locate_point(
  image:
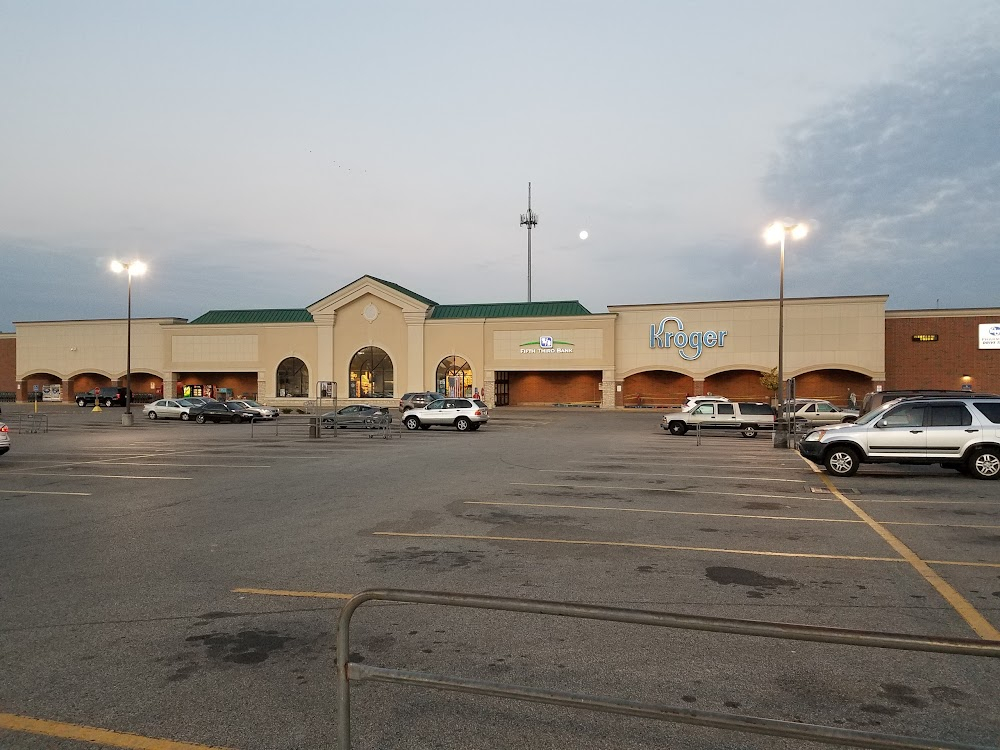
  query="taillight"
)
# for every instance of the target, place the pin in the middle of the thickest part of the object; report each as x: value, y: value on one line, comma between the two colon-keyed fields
x: 4, y: 428
x: 479, y: 412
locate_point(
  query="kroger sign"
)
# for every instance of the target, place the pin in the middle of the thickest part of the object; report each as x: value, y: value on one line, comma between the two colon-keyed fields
x: 692, y: 341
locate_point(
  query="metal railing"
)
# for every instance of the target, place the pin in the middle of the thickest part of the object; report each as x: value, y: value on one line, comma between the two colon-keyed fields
x: 348, y: 670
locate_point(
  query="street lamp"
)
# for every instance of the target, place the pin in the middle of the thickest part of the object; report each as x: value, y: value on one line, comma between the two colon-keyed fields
x: 132, y: 268
x: 773, y: 235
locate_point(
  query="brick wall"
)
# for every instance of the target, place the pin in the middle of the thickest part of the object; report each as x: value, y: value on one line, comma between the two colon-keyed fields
x: 8, y: 368
x: 555, y: 387
x: 742, y: 385
x: 833, y: 385
x: 941, y: 363
x: 88, y: 381
x: 656, y: 387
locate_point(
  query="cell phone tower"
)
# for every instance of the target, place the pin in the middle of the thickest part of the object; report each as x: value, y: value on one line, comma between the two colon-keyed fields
x: 529, y: 220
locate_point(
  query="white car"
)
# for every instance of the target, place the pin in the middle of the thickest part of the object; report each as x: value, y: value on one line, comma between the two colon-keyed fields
x: 463, y: 414
x: 167, y: 408
x: 4, y: 438
x: 257, y: 409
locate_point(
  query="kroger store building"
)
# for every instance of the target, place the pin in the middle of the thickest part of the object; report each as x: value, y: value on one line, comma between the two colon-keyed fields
x: 374, y: 340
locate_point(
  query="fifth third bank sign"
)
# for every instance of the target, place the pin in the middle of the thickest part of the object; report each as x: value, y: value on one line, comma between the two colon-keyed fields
x: 989, y: 336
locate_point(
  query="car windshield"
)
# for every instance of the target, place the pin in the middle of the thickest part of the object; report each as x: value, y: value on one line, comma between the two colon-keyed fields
x: 876, y: 414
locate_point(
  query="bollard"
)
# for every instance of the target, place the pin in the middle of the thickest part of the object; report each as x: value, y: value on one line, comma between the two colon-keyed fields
x: 314, y: 427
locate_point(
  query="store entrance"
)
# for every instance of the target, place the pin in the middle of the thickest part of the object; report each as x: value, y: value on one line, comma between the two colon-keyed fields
x: 501, y: 386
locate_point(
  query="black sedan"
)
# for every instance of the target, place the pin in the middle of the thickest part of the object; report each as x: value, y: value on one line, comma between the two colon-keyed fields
x: 216, y: 411
x: 356, y: 415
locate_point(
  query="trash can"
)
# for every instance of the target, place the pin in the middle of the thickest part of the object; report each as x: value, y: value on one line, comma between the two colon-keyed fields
x: 314, y: 427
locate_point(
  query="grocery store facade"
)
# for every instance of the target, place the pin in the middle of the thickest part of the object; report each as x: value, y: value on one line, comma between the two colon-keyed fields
x: 374, y: 340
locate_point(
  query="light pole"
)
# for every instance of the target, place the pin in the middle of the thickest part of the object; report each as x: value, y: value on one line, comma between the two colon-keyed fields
x: 775, y: 234
x: 132, y: 268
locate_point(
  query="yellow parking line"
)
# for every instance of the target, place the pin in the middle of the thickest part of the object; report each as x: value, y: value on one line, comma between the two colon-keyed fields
x: 280, y: 592
x: 44, y: 492
x: 638, y: 545
x: 979, y: 624
x: 96, y: 476
x: 653, y: 474
x: 83, y: 733
x: 730, y: 515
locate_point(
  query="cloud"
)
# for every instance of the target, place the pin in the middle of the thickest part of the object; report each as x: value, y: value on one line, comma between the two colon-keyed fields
x: 902, y: 180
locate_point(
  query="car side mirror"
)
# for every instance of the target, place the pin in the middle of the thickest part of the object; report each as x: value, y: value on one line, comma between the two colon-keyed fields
x: 882, y: 423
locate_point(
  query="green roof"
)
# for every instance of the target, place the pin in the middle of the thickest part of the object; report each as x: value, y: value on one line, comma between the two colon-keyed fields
x: 510, y: 310
x: 404, y: 290
x: 230, y: 317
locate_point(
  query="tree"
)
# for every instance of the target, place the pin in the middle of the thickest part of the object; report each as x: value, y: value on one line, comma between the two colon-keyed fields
x: 769, y: 380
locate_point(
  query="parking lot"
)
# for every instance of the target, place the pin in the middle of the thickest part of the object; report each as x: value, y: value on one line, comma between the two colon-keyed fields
x: 178, y: 583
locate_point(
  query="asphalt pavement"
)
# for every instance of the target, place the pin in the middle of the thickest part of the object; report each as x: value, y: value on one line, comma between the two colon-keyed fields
x: 179, y: 583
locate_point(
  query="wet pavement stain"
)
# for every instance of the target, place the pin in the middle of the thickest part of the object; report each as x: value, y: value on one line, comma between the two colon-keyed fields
x: 764, y: 506
x: 902, y: 695
x: 243, y: 647
x: 760, y: 584
x: 429, y: 557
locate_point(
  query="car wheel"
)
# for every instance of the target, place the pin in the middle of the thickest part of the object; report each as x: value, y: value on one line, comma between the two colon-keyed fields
x: 462, y: 424
x: 749, y: 431
x: 842, y: 462
x: 152, y: 415
x: 81, y: 402
x: 185, y: 416
x: 677, y: 428
x: 412, y: 423
x: 236, y: 419
x: 985, y: 463
x: 200, y: 419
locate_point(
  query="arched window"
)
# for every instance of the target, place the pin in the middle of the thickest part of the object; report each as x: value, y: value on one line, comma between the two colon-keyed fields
x: 371, y: 374
x: 454, y: 377
x: 293, y: 378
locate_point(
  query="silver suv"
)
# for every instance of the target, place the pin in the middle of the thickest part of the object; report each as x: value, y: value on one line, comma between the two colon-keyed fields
x: 463, y: 413
x: 961, y: 434
x: 417, y: 400
x: 749, y: 417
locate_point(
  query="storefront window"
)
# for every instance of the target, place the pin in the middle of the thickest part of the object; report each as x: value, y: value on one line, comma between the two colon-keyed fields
x: 454, y: 378
x: 371, y: 374
x: 293, y: 378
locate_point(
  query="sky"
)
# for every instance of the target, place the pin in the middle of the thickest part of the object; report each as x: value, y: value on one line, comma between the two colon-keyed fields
x: 264, y: 155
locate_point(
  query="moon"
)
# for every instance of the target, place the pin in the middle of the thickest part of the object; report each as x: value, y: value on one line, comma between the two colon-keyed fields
x: 584, y: 234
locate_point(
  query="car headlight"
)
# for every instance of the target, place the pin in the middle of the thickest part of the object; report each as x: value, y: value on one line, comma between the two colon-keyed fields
x: 814, y: 436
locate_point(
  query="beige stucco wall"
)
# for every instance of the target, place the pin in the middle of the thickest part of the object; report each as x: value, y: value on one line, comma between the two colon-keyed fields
x: 835, y: 332
x: 447, y: 338
x: 69, y: 347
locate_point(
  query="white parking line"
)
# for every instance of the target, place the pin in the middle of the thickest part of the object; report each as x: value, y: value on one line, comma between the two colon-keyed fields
x: 666, y: 462
x: 685, y: 476
x: 665, y: 489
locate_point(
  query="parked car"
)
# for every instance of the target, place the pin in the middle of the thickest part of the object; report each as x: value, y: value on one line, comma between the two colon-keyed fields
x: 168, y: 408
x: 873, y: 401
x: 4, y: 438
x: 215, y: 411
x: 199, y: 400
x: 815, y: 411
x: 244, y: 414
x: 355, y: 415
x: 102, y: 396
x: 962, y: 434
x: 462, y: 413
x: 749, y: 417
x: 417, y: 400
x: 259, y: 410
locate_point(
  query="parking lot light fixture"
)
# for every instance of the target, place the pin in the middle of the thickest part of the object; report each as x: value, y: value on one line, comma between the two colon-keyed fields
x: 132, y: 268
x: 773, y: 235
